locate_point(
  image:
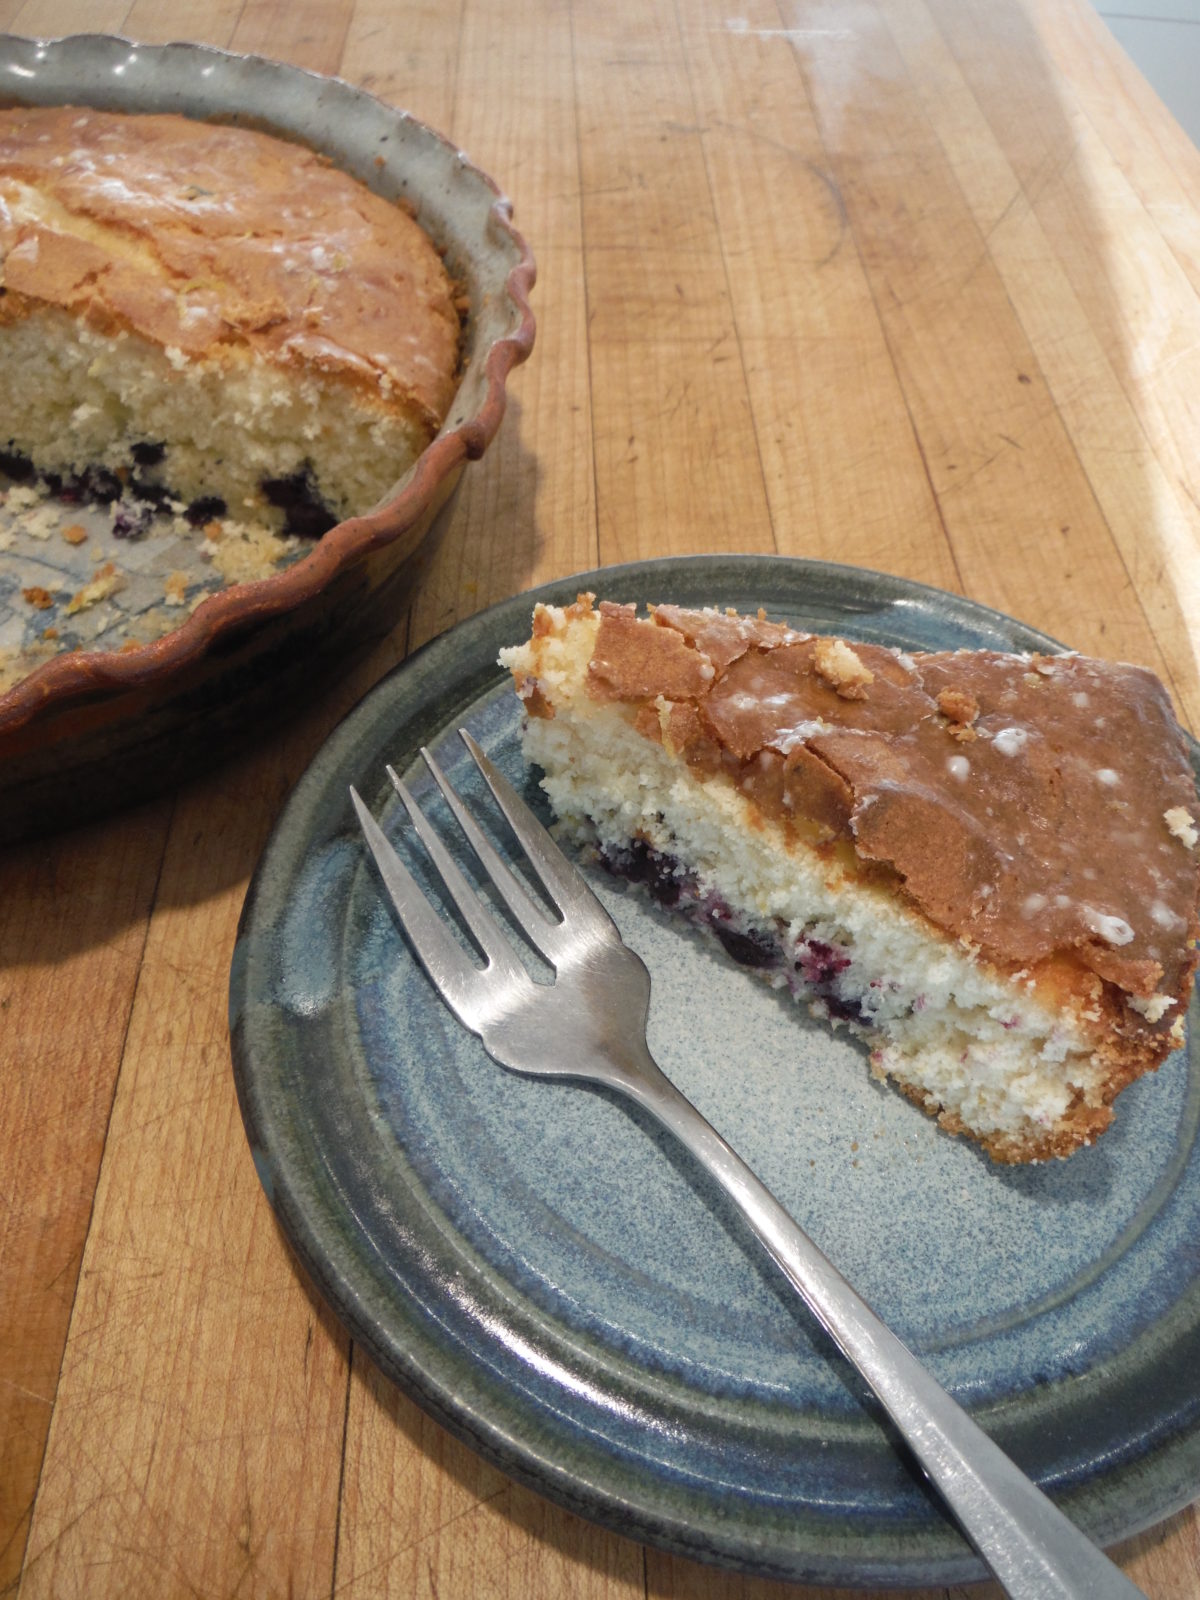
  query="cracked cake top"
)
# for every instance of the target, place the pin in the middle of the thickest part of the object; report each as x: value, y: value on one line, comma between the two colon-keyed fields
x: 1031, y: 806
x: 201, y: 236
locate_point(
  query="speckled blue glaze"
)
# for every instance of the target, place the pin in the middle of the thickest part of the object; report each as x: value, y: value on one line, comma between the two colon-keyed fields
x: 546, y: 1273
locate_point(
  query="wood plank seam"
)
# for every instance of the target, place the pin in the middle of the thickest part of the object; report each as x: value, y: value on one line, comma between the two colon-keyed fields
x: 952, y: 553
x: 587, y: 303
x: 698, y: 118
x: 341, y: 1483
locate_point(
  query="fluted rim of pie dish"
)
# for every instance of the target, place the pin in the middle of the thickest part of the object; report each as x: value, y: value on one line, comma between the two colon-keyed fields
x: 78, y: 673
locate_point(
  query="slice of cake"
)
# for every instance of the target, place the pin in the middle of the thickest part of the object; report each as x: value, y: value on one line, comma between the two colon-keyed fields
x: 985, y: 864
x: 207, y: 315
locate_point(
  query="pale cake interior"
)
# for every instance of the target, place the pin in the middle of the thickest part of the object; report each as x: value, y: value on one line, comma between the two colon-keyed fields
x: 231, y: 422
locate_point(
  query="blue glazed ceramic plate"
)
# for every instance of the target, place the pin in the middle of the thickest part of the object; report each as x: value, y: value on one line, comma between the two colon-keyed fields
x: 551, y: 1279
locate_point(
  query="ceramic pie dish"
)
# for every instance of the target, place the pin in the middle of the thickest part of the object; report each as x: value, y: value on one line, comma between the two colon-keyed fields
x: 91, y: 729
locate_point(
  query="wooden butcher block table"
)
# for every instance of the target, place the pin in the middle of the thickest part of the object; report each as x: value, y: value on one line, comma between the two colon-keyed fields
x: 911, y: 285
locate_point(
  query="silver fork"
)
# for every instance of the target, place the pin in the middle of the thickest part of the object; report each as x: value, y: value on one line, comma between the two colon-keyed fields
x: 590, y: 1023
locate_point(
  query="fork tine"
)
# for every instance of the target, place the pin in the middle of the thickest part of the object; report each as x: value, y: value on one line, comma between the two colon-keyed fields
x: 563, y: 881
x: 540, y: 929
x: 484, y: 928
x: 461, y: 984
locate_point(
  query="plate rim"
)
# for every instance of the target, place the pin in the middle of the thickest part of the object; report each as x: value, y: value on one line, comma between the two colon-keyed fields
x: 943, y: 1558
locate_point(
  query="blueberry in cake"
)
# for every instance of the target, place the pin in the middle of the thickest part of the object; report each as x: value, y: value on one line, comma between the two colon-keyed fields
x: 207, y: 316
x: 984, y: 864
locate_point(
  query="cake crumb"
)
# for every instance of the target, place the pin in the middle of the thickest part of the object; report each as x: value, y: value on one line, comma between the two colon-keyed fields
x: 75, y: 533
x: 842, y: 669
x: 1182, y: 825
x: 40, y: 599
x: 175, y: 588
x: 1153, y: 1009
x: 244, y: 552
x: 959, y: 705
x: 17, y: 664
x: 107, y: 581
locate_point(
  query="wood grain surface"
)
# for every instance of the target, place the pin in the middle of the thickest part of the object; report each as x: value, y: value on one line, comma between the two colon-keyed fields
x: 911, y: 284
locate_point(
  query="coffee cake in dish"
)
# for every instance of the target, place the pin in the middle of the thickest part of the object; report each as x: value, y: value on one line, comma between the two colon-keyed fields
x: 95, y: 714
x: 984, y: 864
x: 211, y: 317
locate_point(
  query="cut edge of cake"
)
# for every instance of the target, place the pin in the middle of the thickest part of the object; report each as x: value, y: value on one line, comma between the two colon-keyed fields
x: 1025, y: 1060
x: 227, y: 434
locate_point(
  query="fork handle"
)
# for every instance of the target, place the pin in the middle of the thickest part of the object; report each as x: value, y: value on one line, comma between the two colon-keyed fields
x: 1032, y: 1548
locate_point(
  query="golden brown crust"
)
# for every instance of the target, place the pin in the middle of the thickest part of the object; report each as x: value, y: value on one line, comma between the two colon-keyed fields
x: 634, y: 664
x: 209, y: 240
x: 1081, y: 1125
x: 1042, y: 841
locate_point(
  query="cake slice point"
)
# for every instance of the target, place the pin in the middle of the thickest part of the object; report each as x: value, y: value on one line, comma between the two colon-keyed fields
x: 983, y: 864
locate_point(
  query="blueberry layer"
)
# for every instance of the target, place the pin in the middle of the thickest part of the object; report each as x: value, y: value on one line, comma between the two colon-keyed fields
x: 810, y: 967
